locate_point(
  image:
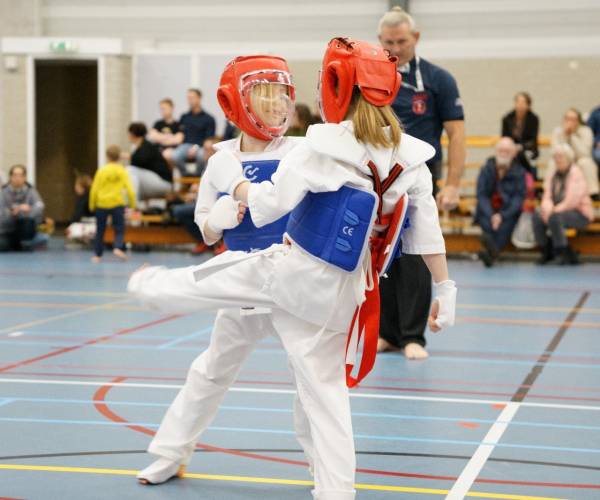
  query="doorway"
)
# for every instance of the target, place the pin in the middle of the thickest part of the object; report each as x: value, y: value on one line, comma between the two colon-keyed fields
x: 66, y: 135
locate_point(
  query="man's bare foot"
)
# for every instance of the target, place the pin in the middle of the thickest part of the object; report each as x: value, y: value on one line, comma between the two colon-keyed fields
x: 415, y: 351
x: 384, y: 346
x: 96, y: 259
x: 120, y: 254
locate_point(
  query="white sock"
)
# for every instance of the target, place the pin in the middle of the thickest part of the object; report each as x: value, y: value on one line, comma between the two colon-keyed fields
x: 160, y: 471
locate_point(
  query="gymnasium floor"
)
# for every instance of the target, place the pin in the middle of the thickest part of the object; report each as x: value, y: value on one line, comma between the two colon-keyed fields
x: 510, y: 397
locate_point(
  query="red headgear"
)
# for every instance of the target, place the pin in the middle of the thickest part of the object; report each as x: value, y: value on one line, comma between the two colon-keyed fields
x: 347, y: 63
x: 235, y: 89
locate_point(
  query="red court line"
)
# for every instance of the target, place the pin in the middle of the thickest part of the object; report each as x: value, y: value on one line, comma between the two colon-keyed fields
x: 290, y: 384
x: 97, y: 340
x: 371, y: 377
x: 100, y: 404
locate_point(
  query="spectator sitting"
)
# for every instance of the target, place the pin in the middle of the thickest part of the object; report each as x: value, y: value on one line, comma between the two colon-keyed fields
x: 565, y: 204
x: 303, y: 119
x: 580, y: 138
x: 195, y: 127
x: 522, y: 125
x: 164, y: 131
x: 106, y: 198
x: 83, y: 184
x: 594, y: 124
x: 149, y: 171
x: 185, y: 212
x: 21, y: 211
x: 500, y: 196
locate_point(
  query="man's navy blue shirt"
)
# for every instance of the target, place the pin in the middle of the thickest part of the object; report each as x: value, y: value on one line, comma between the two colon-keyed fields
x: 423, y: 112
x: 196, y: 127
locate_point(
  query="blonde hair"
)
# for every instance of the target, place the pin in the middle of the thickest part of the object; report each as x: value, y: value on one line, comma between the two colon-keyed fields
x: 395, y: 17
x: 370, y: 121
x: 113, y: 152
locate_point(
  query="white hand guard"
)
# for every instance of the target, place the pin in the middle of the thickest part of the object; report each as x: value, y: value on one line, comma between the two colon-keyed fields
x: 228, y: 172
x: 223, y: 215
x: 445, y: 293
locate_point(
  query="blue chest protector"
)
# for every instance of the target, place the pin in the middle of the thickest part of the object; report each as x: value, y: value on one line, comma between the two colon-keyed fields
x: 247, y: 237
x: 335, y: 226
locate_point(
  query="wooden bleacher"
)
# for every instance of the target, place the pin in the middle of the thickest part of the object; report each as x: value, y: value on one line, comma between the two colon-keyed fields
x: 459, y: 231
x: 463, y: 236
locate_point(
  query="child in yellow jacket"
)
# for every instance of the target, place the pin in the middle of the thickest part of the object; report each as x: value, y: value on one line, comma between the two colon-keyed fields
x: 107, y: 198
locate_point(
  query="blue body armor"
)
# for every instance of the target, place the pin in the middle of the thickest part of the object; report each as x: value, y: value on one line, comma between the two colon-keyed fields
x: 335, y: 226
x: 247, y: 237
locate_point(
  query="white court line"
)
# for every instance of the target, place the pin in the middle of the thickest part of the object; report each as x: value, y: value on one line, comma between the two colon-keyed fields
x: 469, y: 474
x: 290, y: 391
x: 60, y: 293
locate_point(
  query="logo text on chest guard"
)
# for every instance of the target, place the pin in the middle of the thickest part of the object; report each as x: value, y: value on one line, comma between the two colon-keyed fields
x: 347, y: 230
x: 250, y: 172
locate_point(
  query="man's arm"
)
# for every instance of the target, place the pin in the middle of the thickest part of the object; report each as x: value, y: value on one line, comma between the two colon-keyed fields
x: 448, y: 196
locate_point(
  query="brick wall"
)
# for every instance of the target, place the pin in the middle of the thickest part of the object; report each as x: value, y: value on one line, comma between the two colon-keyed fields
x: 118, y: 99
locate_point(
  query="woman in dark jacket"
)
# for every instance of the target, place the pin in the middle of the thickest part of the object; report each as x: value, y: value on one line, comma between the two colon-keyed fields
x: 522, y: 125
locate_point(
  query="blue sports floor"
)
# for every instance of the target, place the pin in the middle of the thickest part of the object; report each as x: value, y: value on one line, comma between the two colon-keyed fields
x: 507, y: 406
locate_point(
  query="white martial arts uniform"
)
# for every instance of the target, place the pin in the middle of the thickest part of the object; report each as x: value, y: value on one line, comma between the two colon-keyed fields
x: 313, y: 302
x: 234, y: 336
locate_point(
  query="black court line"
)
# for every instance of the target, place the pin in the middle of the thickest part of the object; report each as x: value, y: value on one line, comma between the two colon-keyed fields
x: 277, y: 450
x: 538, y: 368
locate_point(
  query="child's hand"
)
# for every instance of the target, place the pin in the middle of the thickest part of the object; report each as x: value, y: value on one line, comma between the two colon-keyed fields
x: 225, y: 214
x: 443, y: 308
x: 242, y: 207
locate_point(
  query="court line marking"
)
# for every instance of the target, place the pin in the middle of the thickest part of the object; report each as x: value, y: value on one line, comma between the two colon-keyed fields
x: 185, y: 338
x: 268, y: 480
x: 61, y: 293
x: 71, y: 314
x: 292, y: 392
x: 475, y: 465
x: 490, y: 440
x: 471, y: 471
x: 393, y: 416
x: 500, y: 307
x: 65, y: 305
x: 491, y: 307
x: 102, y: 338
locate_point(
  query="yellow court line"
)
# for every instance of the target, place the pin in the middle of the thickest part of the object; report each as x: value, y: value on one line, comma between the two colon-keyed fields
x: 62, y: 293
x: 20, y: 326
x: 66, y: 305
x: 268, y: 480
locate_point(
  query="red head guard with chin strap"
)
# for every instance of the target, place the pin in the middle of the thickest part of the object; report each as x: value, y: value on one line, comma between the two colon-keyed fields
x: 235, y: 94
x: 347, y: 63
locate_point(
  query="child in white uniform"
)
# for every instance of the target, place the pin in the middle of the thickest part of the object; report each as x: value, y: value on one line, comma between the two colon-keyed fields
x: 319, y: 295
x: 236, y: 332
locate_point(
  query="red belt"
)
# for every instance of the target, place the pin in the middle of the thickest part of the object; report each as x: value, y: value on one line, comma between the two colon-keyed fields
x: 367, y: 315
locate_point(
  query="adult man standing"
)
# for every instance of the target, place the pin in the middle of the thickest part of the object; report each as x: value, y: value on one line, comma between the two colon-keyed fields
x: 427, y: 104
x: 195, y: 127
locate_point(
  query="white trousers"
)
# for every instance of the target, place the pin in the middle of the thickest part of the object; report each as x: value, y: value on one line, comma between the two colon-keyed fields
x: 233, y: 339
x: 315, y: 353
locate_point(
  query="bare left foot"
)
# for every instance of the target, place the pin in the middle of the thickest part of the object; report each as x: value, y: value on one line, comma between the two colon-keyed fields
x: 120, y: 254
x: 96, y: 259
x: 384, y: 346
x: 415, y: 351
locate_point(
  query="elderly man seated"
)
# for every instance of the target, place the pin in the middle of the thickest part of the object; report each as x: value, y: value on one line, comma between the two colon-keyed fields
x: 21, y: 210
x: 500, y: 194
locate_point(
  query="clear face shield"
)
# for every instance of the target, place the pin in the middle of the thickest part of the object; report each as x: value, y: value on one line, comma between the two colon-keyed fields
x: 268, y: 99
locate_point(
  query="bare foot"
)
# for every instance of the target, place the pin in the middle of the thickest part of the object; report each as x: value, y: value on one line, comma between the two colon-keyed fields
x: 384, y: 346
x: 96, y: 259
x: 415, y: 351
x: 120, y: 254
